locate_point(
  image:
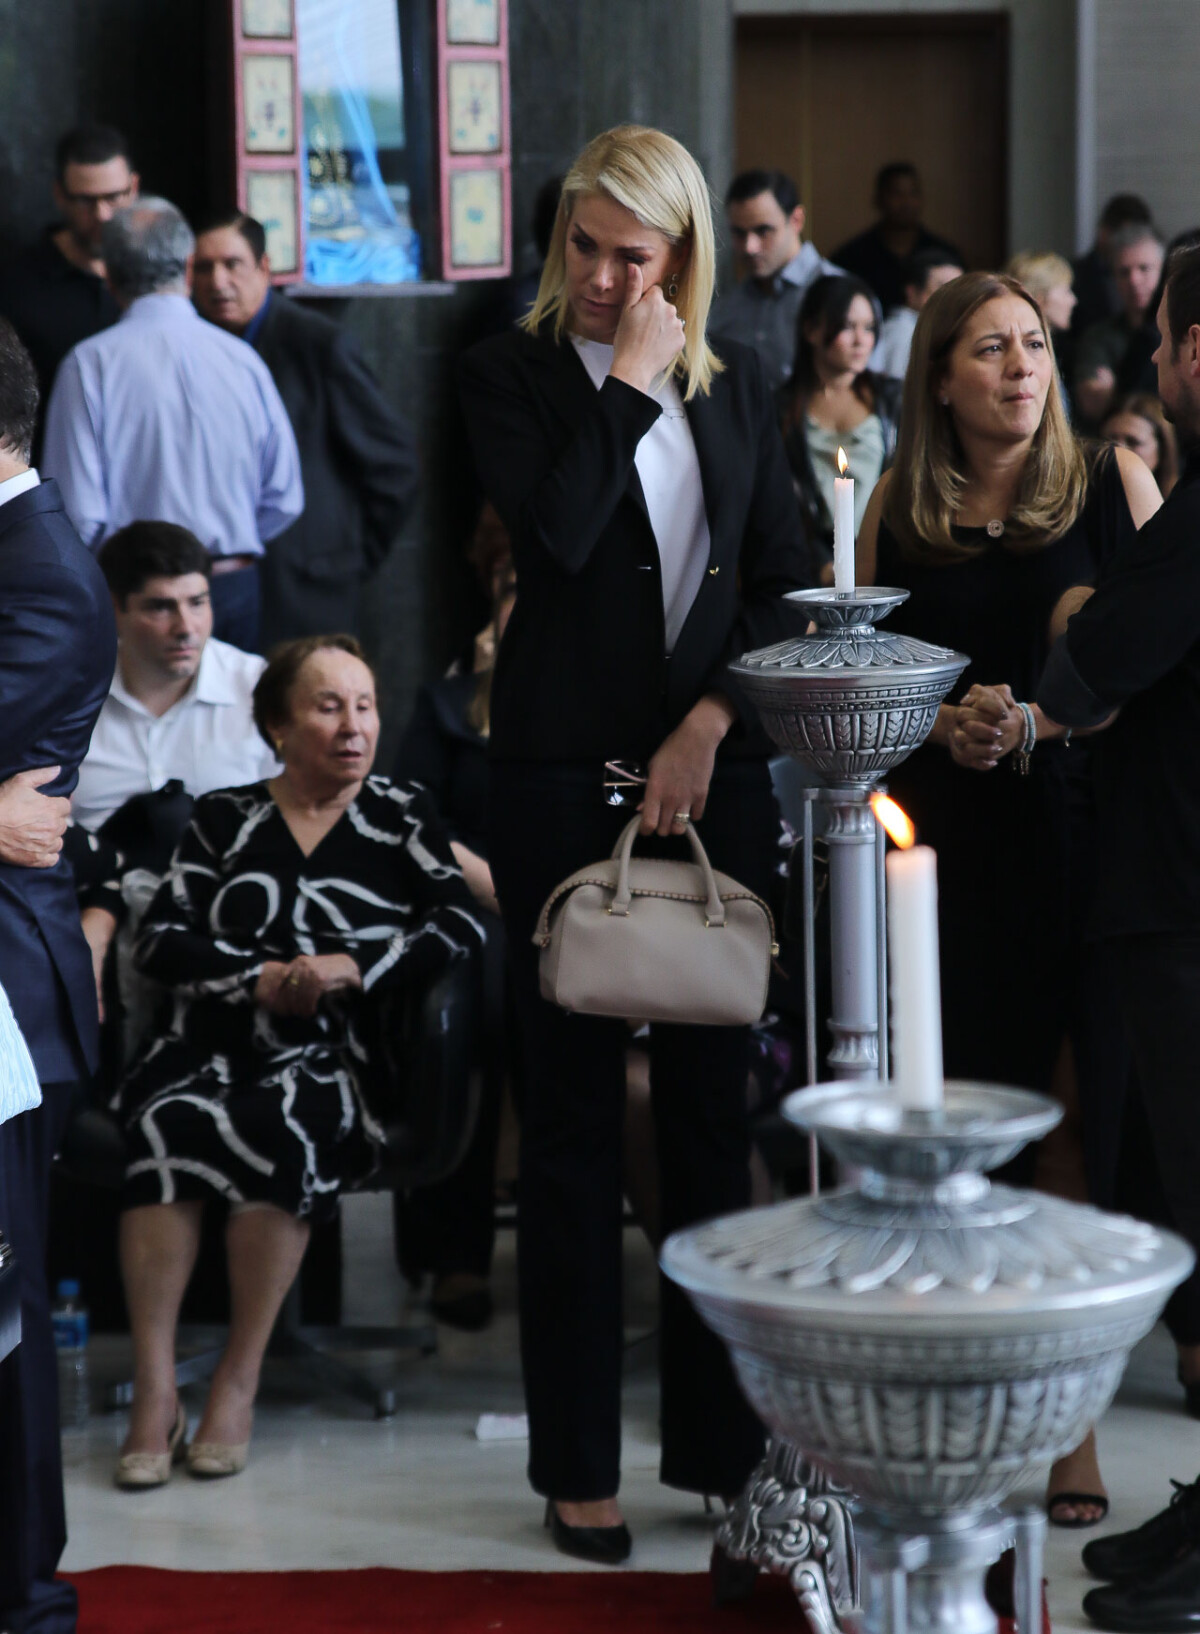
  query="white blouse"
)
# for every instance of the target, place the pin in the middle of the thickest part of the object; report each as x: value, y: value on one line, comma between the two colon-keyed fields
x: 669, y: 471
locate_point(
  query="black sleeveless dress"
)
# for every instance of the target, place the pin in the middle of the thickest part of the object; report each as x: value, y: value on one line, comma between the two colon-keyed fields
x: 1008, y: 893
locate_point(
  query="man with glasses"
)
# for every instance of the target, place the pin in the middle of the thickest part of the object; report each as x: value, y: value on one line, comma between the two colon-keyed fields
x: 54, y: 293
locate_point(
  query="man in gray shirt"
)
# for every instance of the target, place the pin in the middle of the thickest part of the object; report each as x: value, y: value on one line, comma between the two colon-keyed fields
x: 766, y: 220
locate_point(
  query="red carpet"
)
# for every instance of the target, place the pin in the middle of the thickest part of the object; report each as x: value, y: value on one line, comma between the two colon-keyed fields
x: 143, y: 1600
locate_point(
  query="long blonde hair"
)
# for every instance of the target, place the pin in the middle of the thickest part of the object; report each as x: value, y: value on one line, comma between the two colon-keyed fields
x: 655, y: 178
x: 930, y: 472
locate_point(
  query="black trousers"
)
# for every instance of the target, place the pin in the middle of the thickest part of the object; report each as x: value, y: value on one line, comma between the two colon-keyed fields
x: 547, y: 820
x: 33, y: 1529
x: 236, y: 605
x: 1159, y: 978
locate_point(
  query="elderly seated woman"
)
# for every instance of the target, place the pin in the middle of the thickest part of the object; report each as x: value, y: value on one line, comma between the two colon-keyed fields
x: 286, y: 904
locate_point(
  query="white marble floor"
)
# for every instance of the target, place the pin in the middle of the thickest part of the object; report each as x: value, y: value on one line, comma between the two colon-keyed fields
x: 328, y: 1486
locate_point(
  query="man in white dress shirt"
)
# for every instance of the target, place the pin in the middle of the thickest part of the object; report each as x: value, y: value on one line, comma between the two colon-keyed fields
x: 180, y: 702
x: 924, y: 272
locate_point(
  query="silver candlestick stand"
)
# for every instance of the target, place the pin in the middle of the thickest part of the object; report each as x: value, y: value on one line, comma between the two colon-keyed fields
x: 928, y: 1338
x: 918, y: 1339
x: 848, y: 702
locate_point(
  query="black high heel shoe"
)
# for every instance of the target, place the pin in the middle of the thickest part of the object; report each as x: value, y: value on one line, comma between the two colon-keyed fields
x: 605, y: 1545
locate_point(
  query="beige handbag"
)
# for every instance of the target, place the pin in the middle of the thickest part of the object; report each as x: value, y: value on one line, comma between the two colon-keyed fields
x: 655, y: 940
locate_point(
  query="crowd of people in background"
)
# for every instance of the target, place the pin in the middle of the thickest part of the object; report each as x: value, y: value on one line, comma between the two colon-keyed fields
x: 210, y: 473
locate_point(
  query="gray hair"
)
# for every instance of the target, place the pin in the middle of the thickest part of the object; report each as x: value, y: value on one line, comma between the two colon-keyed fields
x: 1134, y: 232
x: 146, y: 248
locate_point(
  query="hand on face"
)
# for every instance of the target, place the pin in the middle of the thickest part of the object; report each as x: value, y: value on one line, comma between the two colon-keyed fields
x: 650, y: 334
x: 616, y: 270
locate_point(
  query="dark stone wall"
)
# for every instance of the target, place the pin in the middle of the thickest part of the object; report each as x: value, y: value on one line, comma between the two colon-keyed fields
x: 157, y: 69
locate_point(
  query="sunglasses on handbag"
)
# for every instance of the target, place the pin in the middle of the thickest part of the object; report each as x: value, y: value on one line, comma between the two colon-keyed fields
x: 624, y: 781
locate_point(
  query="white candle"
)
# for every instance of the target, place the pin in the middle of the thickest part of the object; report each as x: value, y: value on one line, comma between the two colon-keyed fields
x: 843, y: 528
x: 916, y: 987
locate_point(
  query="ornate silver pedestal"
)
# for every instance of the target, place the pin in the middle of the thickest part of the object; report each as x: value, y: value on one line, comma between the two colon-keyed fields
x: 848, y: 702
x: 929, y: 1339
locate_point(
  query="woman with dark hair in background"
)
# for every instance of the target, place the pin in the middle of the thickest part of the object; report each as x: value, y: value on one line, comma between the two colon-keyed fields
x: 640, y: 473
x: 989, y: 518
x: 1139, y: 424
x: 834, y: 401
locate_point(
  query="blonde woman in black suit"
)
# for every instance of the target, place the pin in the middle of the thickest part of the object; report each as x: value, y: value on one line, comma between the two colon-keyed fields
x: 642, y: 478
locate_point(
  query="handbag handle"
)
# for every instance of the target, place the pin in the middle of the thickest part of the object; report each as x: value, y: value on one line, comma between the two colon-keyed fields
x: 714, y: 908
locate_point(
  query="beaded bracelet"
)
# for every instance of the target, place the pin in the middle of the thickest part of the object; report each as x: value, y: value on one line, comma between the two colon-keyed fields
x: 1023, y: 754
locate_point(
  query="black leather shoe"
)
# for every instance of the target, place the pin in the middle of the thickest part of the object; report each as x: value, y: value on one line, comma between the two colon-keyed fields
x: 1168, y: 1603
x: 605, y: 1545
x: 1154, y: 1545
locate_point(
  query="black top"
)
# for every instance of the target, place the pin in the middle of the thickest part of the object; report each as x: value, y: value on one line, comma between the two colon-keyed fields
x: 1003, y: 841
x: 52, y: 305
x: 868, y: 258
x: 582, y: 672
x: 442, y: 750
x: 996, y: 604
x: 1136, y: 645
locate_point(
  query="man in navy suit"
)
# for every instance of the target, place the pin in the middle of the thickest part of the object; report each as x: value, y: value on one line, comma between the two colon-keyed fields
x: 57, y: 652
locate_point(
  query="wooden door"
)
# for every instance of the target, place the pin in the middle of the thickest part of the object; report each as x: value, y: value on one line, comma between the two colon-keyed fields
x: 830, y: 99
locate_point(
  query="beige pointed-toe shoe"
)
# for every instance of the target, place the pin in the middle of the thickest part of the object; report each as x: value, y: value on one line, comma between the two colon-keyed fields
x: 212, y: 1459
x: 137, y: 1471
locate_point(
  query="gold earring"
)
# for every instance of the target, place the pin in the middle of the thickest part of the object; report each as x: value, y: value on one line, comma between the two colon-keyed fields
x: 673, y: 288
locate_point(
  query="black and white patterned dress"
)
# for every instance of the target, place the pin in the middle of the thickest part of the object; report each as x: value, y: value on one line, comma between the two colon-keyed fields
x: 228, y: 1099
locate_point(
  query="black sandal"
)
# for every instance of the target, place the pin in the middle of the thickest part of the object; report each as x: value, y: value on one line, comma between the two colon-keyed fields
x: 1075, y: 1500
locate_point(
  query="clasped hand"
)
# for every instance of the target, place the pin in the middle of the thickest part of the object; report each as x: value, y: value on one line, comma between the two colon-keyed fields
x: 987, y: 725
x: 297, y: 988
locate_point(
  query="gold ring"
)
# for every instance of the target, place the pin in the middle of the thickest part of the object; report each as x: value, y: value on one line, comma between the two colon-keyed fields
x: 294, y: 979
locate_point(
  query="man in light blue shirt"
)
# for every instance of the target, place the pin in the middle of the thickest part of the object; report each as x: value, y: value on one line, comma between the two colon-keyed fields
x: 766, y: 220
x: 164, y: 417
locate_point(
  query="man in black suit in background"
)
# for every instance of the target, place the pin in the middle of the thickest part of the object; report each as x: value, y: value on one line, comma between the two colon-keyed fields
x: 356, y: 454
x: 57, y: 651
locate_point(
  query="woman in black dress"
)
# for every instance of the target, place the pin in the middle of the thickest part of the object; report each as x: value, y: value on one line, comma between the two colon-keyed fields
x: 642, y: 478
x: 288, y: 903
x: 991, y: 519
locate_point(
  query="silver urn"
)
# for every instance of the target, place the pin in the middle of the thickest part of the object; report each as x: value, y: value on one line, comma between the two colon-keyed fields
x: 925, y: 1337
x: 848, y: 701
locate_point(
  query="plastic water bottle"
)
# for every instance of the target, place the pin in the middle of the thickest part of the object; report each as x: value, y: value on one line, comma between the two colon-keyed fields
x: 71, y: 1341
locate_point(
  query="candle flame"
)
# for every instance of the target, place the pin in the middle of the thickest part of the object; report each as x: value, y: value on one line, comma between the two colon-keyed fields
x: 843, y: 462
x: 895, y: 820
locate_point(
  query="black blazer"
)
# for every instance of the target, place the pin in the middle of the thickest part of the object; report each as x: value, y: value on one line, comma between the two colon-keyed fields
x: 58, y: 649
x: 359, y: 466
x: 581, y: 672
